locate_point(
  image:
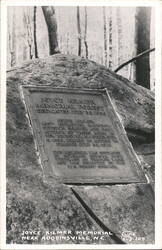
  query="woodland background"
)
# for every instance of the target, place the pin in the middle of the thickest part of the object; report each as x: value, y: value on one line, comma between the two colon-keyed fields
x: 107, y: 35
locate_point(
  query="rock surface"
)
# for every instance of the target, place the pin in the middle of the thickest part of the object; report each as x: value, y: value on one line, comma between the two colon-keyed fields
x: 131, y: 211
x: 134, y: 103
x: 32, y: 203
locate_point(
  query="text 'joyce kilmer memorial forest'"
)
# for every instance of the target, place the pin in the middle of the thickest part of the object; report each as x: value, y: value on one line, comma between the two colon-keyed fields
x: 80, y: 137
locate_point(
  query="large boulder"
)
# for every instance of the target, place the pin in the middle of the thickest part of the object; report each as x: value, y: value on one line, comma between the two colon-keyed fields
x: 134, y: 103
x: 32, y: 202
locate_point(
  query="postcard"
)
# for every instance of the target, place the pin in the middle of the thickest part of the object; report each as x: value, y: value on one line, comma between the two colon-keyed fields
x: 80, y: 124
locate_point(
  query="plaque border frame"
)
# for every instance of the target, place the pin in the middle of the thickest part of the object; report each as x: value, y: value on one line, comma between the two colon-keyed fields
x: 139, y: 175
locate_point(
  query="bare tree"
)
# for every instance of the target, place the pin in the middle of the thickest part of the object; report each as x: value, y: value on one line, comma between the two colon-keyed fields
x: 50, y: 18
x: 67, y: 42
x: 110, y: 38
x: 25, y: 52
x: 79, y: 32
x: 28, y: 24
x: 146, y: 52
x: 85, y: 31
x: 35, y: 29
x: 12, y: 41
x: 119, y: 34
x: 143, y: 19
x: 105, y: 35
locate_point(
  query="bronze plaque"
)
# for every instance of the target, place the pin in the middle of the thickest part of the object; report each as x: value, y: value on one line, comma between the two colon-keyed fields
x: 80, y: 137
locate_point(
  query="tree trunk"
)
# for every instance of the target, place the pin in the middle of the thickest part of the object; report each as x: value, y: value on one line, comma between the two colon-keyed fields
x: 35, y: 28
x: 25, y: 53
x: 28, y: 25
x: 30, y: 51
x: 67, y: 43
x: 85, y: 32
x: 105, y: 35
x: 110, y: 38
x: 50, y: 18
x: 79, y: 32
x: 12, y: 42
x: 143, y: 19
x: 119, y: 35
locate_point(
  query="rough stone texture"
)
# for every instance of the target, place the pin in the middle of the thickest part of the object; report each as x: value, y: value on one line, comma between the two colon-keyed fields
x: 123, y: 208
x: 32, y: 203
x: 134, y: 103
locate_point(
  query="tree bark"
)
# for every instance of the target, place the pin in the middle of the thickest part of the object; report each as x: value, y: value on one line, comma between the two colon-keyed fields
x: 105, y: 35
x: 27, y: 24
x: 12, y: 42
x: 25, y: 54
x: 67, y: 43
x: 143, y: 19
x: 79, y: 32
x: 85, y: 32
x: 119, y: 35
x: 50, y: 18
x: 110, y: 38
x: 35, y: 29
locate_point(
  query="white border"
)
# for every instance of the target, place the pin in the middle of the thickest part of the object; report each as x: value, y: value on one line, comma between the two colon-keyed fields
x: 3, y: 51
x: 158, y: 125
x: 158, y: 137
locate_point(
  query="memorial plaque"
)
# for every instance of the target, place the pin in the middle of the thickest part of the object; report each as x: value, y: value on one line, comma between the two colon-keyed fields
x: 80, y: 137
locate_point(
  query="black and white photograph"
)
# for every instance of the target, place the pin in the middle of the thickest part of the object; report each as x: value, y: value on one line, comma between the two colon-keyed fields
x: 80, y: 155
